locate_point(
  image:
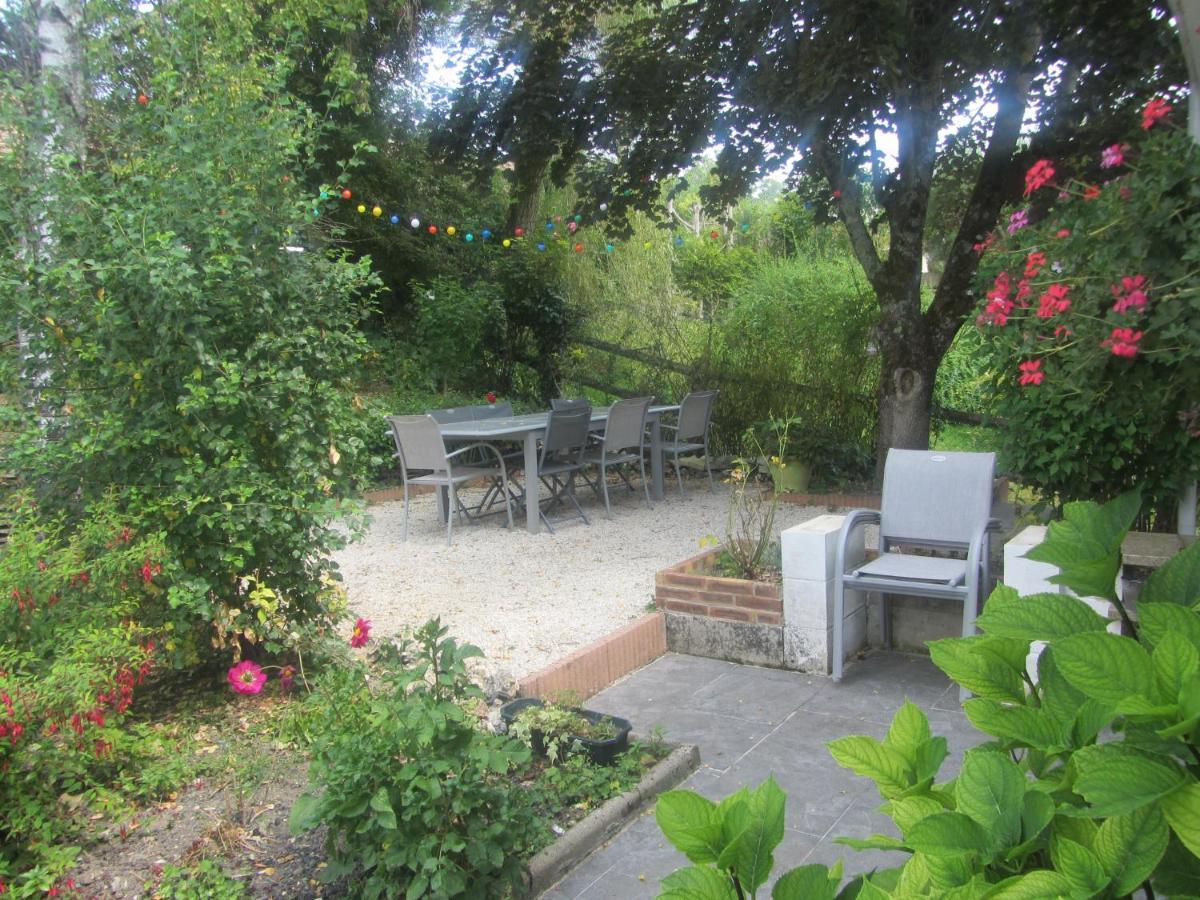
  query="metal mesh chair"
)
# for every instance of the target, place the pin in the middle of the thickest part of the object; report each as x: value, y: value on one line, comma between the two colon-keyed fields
x: 419, y: 446
x: 561, y: 459
x: 623, y: 443
x: 931, y: 501
x: 690, y: 432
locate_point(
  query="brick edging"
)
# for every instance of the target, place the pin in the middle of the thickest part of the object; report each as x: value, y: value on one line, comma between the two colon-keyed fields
x: 592, y: 668
x: 853, y: 501
x: 692, y: 587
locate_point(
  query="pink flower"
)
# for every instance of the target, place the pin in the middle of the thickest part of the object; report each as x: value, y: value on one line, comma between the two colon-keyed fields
x: 1113, y: 156
x: 1154, y: 112
x: 1130, y: 293
x: 287, y: 679
x: 1031, y: 372
x: 1055, y: 300
x: 1061, y: 331
x: 1039, y: 175
x: 362, y: 633
x: 1063, y: 233
x: 247, y: 677
x: 982, y: 246
x: 1123, y: 342
x: 1023, y: 292
x: 1091, y: 192
x: 1017, y: 221
x: 1034, y: 263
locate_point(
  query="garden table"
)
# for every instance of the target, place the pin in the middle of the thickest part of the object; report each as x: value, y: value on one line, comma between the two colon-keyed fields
x: 531, y: 426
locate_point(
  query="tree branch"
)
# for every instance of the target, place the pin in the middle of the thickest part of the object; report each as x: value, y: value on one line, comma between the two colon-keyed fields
x: 849, y: 204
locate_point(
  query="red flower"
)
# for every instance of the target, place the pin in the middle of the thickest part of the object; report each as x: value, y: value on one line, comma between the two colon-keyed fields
x: 984, y: 244
x: 362, y: 633
x: 1123, y: 342
x: 1023, y: 292
x: 247, y: 677
x: 1091, y: 192
x: 1034, y: 264
x: 1062, y: 233
x: 1124, y: 192
x: 491, y: 396
x: 1055, y: 300
x: 1031, y: 372
x: 143, y: 99
x: 837, y: 195
x: 1154, y: 112
x: 1130, y: 293
x: 1039, y: 175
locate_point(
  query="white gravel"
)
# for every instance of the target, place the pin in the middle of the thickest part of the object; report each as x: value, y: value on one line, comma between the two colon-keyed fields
x: 524, y: 599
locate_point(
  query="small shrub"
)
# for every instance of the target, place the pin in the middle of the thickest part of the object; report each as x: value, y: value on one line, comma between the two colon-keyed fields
x: 560, y: 727
x: 413, y: 790
x: 203, y: 881
x: 750, y: 520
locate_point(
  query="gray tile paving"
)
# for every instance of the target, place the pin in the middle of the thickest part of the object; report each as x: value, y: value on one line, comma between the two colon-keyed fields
x: 751, y: 722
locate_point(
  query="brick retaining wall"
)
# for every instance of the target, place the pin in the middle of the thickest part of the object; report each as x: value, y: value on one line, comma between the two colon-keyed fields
x: 690, y: 587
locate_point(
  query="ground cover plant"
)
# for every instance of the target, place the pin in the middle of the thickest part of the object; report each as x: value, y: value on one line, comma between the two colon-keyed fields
x: 1088, y: 784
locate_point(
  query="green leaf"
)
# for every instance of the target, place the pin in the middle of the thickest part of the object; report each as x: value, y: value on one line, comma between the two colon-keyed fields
x: 1026, y: 725
x: 1037, y: 617
x: 1037, y: 810
x: 874, y: 842
x: 929, y: 758
x: 914, y: 878
x: 1130, y: 846
x: 1177, y: 581
x: 868, y: 757
x: 1078, y: 865
x: 1040, y: 884
x: 1158, y: 620
x: 692, y: 824
x: 381, y: 804
x: 1116, y: 780
x: 991, y: 789
x: 750, y: 853
x: 871, y: 891
x: 908, y: 811
x: 908, y: 731
x: 1086, y: 545
x: 1178, y: 873
x: 1182, y: 809
x: 981, y: 664
x: 1175, y: 660
x: 947, y: 834
x: 1105, y: 667
x: 305, y: 814
x: 805, y: 883
x: 697, y: 883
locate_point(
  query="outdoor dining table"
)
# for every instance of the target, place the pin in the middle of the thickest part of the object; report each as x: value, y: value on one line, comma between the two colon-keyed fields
x: 529, y: 427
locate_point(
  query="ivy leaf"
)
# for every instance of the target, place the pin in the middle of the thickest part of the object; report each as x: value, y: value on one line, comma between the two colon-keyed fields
x: 1086, y: 545
x: 806, y: 883
x: 1116, y: 780
x: 1106, y: 667
x: 948, y: 834
x: 692, y: 825
x: 1182, y: 809
x: 1079, y: 865
x: 869, y: 758
x: 1037, y: 617
x: 1130, y: 846
x: 990, y: 789
x: 1177, y: 581
x: 697, y: 883
x: 982, y: 664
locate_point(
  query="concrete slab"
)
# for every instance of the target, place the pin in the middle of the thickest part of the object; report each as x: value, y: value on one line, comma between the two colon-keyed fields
x: 752, y: 722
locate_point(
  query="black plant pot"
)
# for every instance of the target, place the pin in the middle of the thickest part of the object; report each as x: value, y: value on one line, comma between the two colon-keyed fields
x: 601, y: 752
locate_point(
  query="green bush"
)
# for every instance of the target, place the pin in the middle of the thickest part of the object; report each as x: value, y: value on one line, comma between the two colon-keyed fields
x: 1092, y: 329
x: 451, y: 329
x: 412, y: 789
x: 184, y: 354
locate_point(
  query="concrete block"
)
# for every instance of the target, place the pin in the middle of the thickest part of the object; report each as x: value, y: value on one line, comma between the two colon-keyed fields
x: 915, y: 621
x: 809, y: 548
x: 806, y: 649
x: 741, y: 642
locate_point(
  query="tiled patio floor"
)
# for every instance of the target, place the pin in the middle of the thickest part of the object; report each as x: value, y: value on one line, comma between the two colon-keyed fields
x: 751, y: 722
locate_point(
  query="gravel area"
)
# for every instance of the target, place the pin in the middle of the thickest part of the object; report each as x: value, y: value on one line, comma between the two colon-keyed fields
x: 524, y: 599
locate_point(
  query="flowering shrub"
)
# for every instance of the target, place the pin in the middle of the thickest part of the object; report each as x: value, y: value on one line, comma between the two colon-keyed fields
x: 1091, y: 321
x: 75, y: 651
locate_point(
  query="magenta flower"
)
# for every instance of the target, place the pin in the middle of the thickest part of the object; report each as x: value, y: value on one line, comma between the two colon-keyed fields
x: 1055, y: 300
x: 362, y: 633
x: 247, y: 677
x: 1017, y: 221
x: 1154, y: 112
x: 1130, y: 293
x: 1031, y: 372
x: 287, y: 679
x: 1123, y: 342
x: 1113, y: 156
x: 1039, y: 175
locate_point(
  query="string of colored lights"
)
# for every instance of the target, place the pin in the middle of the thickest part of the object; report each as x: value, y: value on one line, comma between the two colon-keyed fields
x: 573, y: 224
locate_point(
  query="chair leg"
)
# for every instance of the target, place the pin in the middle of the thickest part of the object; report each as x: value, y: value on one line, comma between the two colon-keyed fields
x: 451, y: 510
x: 839, y: 607
x: 678, y: 474
x: 404, y: 529
x: 507, y: 499
x: 604, y: 487
x: 708, y: 465
x: 645, y: 483
x: 885, y: 619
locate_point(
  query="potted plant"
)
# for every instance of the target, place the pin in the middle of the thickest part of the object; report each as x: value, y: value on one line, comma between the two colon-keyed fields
x: 790, y: 470
x: 554, y: 730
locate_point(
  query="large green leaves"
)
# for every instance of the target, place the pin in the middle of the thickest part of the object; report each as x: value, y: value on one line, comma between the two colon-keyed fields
x: 883, y: 764
x: 1115, y: 779
x: 1129, y: 846
x: 948, y: 834
x: 753, y: 829
x: 814, y: 882
x: 1106, y: 667
x: 1037, y: 617
x: 1177, y: 581
x: 1182, y: 809
x: 990, y: 789
x: 1078, y: 865
x: 1085, y: 545
x: 691, y: 823
x: 697, y: 883
x: 986, y: 666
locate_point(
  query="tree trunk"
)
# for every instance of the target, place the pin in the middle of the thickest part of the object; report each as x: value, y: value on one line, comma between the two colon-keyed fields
x: 527, y: 193
x: 908, y: 369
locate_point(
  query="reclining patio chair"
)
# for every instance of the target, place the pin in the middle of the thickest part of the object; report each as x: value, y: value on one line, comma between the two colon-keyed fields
x: 419, y: 445
x: 690, y: 432
x: 561, y: 459
x: 623, y: 443
x: 932, y: 501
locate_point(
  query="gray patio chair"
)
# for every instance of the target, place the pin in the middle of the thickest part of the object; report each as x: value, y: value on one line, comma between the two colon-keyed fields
x: 690, y: 432
x: 931, y: 501
x: 623, y: 443
x: 561, y: 459
x: 419, y: 445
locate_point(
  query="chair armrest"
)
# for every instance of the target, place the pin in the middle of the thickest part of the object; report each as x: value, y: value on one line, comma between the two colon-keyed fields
x: 477, y: 445
x: 856, y: 518
x: 980, y: 545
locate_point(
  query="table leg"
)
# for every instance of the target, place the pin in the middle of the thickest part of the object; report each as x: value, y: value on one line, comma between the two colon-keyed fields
x: 656, y: 460
x: 532, y: 522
